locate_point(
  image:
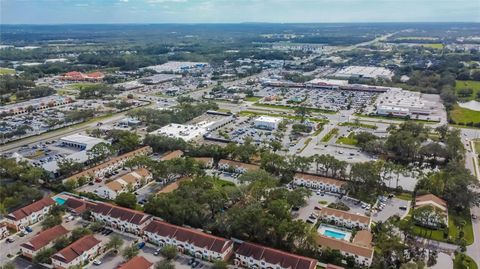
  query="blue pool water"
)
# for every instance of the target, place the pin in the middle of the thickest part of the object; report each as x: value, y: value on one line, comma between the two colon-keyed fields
x: 60, y: 201
x: 333, y: 234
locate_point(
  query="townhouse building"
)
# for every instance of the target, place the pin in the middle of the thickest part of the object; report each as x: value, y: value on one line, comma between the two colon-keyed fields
x: 29, y: 214
x: 251, y: 255
x: 319, y: 182
x: 172, y: 155
x: 343, y: 218
x: 436, y: 213
x: 128, y: 182
x: 189, y: 241
x: 123, y: 219
x: 359, y: 249
x: 237, y: 167
x: 42, y: 240
x: 111, y: 165
x: 78, y: 253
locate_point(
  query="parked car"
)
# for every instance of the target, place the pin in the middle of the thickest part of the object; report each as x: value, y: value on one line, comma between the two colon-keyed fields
x: 28, y: 229
x: 191, y: 261
x: 97, y: 262
x: 10, y: 240
x: 157, y: 252
x: 195, y: 264
x: 141, y: 245
x: 402, y: 208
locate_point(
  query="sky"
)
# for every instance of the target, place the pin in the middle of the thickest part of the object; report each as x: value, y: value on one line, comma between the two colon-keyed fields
x: 235, y: 11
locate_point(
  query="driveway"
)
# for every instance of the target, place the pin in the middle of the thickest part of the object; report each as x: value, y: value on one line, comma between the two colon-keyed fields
x: 474, y: 249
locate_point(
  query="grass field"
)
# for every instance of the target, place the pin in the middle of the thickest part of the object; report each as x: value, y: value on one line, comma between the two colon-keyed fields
x: 6, y: 71
x: 461, y: 260
x: 476, y: 144
x: 416, y: 38
x: 349, y: 140
x: 252, y: 99
x: 463, y: 115
x: 453, y: 231
x: 433, y: 46
x: 468, y: 84
x: 360, y: 125
x: 330, y: 134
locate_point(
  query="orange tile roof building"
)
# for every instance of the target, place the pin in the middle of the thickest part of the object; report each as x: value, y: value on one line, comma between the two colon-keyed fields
x: 42, y: 240
x: 239, y: 167
x: 29, y: 214
x: 78, y: 252
x: 79, y: 76
x: 363, y: 254
x: 256, y: 256
x: 137, y: 262
x: 189, y: 241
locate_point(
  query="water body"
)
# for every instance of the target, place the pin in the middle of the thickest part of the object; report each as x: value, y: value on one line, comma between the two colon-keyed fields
x: 473, y: 105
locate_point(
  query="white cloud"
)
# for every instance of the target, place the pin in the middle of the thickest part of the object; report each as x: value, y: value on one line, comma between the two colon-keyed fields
x: 165, y: 1
x: 124, y: 1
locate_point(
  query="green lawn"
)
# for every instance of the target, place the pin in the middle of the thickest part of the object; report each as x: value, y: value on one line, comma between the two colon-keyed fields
x: 349, y: 140
x: 476, y: 144
x: 6, y: 71
x: 461, y: 260
x: 330, y: 134
x: 453, y: 231
x: 392, y: 118
x: 468, y: 84
x: 359, y: 124
x: 404, y: 196
x: 252, y: 99
x: 433, y: 45
x: 461, y: 115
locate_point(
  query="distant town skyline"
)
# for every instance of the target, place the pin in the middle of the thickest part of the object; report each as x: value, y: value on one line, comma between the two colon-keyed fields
x: 236, y: 11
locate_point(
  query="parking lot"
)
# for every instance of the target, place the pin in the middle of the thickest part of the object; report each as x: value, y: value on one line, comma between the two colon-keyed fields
x: 318, y: 98
x: 392, y: 207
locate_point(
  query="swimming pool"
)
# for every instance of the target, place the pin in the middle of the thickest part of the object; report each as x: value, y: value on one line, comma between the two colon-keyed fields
x: 333, y: 234
x: 59, y: 200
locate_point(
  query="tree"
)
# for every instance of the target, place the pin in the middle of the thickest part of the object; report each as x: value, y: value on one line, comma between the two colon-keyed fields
x: 124, y: 141
x: 99, y: 152
x: 115, y: 242
x: 8, y: 265
x: 169, y: 252
x: 51, y: 220
x: 61, y: 243
x: 130, y: 252
x: 220, y: 264
x: 165, y: 264
x: 68, y: 166
x: 43, y: 256
x: 126, y: 199
x: 78, y: 233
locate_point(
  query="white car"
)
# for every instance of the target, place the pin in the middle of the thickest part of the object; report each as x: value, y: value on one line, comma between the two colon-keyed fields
x: 97, y: 262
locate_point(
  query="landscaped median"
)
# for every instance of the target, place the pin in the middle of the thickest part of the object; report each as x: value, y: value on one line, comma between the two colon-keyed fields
x: 308, y: 109
x: 254, y: 113
x: 348, y: 140
x: 330, y: 134
x: 359, y: 124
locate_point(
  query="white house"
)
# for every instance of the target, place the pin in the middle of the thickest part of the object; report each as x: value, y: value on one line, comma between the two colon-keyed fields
x: 189, y: 241
x: 29, y: 214
x: 256, y: 256
x: 42, y: 240
x: 79, y: 252
x: 319, y: 182
x: 343, y: 218
x: 123, y: 219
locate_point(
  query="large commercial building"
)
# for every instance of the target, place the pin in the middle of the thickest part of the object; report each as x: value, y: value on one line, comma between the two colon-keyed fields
x: 183, y: 131
x: 81, y: 143
x: 266, y: 122
x: 401, y: 103
x: 364, y: 72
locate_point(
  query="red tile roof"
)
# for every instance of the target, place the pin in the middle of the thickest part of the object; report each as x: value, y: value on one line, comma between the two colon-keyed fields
x: 78, y: 205
x: 275, y: 256
x: 431, y: 197
x: 137, y: 262
x: 172, y: 155
x: 45, y: 237
x: 121, y: 213
x: 191, y: 236
x: 76, y: 249
x: 327, y: 212
x: 342, y: 245
x: 31, y: 208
